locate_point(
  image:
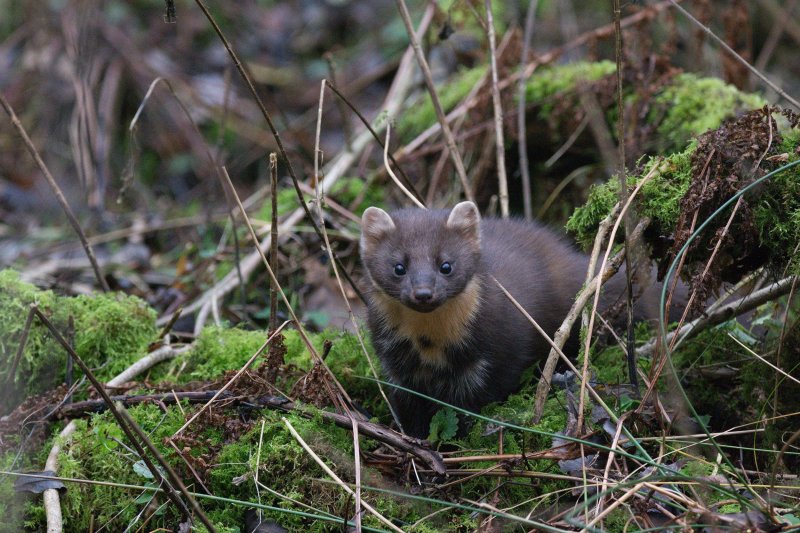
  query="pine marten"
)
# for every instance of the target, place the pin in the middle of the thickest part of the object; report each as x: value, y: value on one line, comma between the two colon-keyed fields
x: 440, y: 325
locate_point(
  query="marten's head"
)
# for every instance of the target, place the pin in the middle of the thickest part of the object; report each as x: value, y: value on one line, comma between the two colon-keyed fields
x: 421, y: 257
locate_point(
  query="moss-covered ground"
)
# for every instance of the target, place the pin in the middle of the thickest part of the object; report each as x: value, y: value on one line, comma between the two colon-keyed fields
x: 250, y: 458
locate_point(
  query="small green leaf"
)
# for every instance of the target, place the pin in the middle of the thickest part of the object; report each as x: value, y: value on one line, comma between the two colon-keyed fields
x: 626, y: 403
x: 444, y: 425
x: 704, y: 419
x: 141, y: 468
x: 790, y: 519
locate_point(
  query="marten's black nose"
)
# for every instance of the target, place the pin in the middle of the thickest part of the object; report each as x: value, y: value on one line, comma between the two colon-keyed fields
x: 422, y: 295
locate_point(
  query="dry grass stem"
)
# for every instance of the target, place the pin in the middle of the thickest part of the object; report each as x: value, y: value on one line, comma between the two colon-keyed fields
x: 56, y: 191
x: 455, y: 156
x: 336, y: 478
x: 333, y: 171
x: 329, y: 251
x: 596, y: 302
x: 562, y: 333
x: 392, y: 174
x: 763, y: 360
x: 502, y: 178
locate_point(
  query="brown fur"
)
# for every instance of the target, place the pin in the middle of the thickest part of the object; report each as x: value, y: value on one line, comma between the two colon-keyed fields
x: 438, y: 323
x: 444, y: 326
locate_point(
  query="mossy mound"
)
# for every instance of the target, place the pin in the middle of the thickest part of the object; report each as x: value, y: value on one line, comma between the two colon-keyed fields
x: 682, y: 106
x: 110, y: 332
x: 659, y: 199
x: 700, y: 179
x: 693, y: 105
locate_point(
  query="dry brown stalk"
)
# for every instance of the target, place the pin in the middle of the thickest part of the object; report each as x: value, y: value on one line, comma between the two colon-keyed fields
x: 455, y: 156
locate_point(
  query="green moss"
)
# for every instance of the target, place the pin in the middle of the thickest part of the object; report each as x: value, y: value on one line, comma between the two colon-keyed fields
x: 110, y: 332
x: 348, y: 190
x: 219, y: 349
x: 777, y: 209
x: 659, y: 198
x: 286, y: 468
x: 730, y: 508
x: 586, y: 219
x: 698, y: 469
x: 95, y: 452
x: 548, y: 82
x: 610, y: 364
x: 421, y: 115
x: 541, y: 87
x: 12, y: 503
x: 617, y: 521
x: 694, y: 105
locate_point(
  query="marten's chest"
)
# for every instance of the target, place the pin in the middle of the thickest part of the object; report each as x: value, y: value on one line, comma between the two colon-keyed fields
x: 432, y: 334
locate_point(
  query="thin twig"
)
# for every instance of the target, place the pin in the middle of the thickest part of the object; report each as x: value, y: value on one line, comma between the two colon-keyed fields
x: 156, y: 356
x: 212, y: 164
x: 173, y: 476
x: 557, y: 348
x: 345, y: 299
x: 622, y: 176
x: 365, y: 122
x: 563, y: 332
x: 52, y: 504
x: 56, y: 190
x: 391, y: 173
x: 335, y: 170
x: 342, y: 394
x: 544, y: 59
x: 455, y: 156
x: 375, y: 431
x: 357, y: 463
x: 760, y: 358
x: 273, y: 249
x: 527, y: 197
x: 23, y: 340
x: 723, y: 314
x: 248, y: 81
x: 502, y: 178
x: 639, y: 228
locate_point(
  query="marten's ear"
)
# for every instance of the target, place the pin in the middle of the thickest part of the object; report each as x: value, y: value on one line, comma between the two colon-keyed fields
x: 375, y: 225
x: 466, y: 219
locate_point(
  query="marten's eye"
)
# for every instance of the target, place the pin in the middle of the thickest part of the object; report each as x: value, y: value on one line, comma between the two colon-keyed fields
x: 445, y: 268
x: 399, y: 269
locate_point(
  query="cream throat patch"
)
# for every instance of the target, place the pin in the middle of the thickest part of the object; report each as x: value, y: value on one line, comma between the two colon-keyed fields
x: 430, y: 333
